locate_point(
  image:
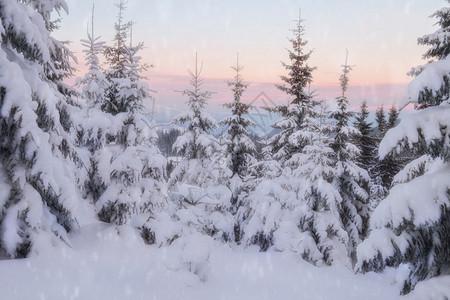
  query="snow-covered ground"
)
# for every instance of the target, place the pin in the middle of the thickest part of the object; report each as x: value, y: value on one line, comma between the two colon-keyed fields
x: 109, y: 262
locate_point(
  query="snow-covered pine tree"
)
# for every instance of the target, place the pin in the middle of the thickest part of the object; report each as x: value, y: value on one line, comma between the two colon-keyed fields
x: 263, y: 201
x: 116, y: 59
x: 437, y: 92
x: 240, y: 148
x: 295, y: 84
x: 37, y: 158
x: 364, y: 140
x: 297, y: 208
x: 196, y: 144
x: 93, y: 83
x: 380, y: 118
x: 199, y: 182
x: 380, y: 169
x: 265, y: 205
x: 367, y: 158
x: 319, y: 226
x: 266, y: 166
x: 392, y: 117
x: 392, y: 164
x: 383, y: 171
x: 94, y: 124
x: 351, y: 181
x: 131, y: 166
x: 410, y: 228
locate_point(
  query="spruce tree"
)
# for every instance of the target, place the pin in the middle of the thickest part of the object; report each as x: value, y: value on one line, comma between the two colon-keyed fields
x: 380, y: 118
x: 438, y: 41
x: 38, y: 161
x: 367, y: 142
x: 276, y: 201
x: 197, y: 141
x: 93, y: 83
x: 383, y: 171
x: 380, y: 170
x: 297, y: 208
x: 198, y: 183
x: 404, y: 234
x: 130, y: 165
x: 392, y: 117
x: 241, y: 149
x: 364, y: 140
x: 368, y: 157
x: 321, y: 228
x: 272, y: 195
x: 283, y: 145
x: 351, y: 180
x: 94, y: 124
x: 391, y: 164
x: 116, y: 59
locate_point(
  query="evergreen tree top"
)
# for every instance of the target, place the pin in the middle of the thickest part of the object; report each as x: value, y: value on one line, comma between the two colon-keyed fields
x: 240, y: 147
x: 393, y: 117
x: 93, y: 82
x: 301, y: 106
x: 126, y: 90
x: 440, y: 39
x: 115, y: 54
x: 344, y: 79
x: 197, y: 98
x: 238, y: 86
x: 196, y: 142
x: 299, y: 72
x: 134, y: 67
x: 343, y: 130
x: 380, y: 118
x: 343, y: 114
x: 365, y: 140
x: 133, y: 88
x: 425, y: 89
x: 361, y: 117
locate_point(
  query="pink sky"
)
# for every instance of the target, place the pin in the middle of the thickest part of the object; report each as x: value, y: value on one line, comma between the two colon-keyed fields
x: 380, y: 35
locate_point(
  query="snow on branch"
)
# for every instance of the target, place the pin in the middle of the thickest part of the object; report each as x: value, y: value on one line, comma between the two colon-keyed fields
x: 428, y: 126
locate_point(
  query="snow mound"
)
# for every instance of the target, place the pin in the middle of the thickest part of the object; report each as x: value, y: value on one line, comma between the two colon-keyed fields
x: 112, y: 262
x: 434, y: 288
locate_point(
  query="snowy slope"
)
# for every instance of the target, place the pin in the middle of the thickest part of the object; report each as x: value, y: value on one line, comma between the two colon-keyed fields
x: 434, y: 288
x: 104, y: 265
